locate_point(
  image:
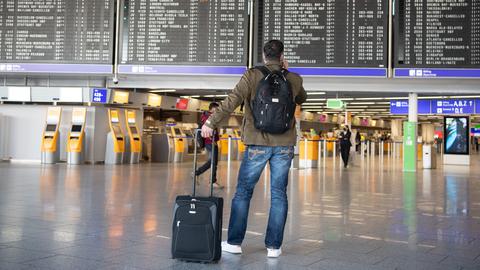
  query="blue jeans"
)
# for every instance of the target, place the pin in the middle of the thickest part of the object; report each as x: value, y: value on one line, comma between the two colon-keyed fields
x: 254, y: 161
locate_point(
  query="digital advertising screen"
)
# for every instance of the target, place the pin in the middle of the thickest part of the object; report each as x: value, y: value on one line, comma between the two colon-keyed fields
x: 456, y: 130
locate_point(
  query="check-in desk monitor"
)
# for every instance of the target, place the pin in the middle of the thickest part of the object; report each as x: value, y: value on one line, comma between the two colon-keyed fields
x: 134, y: 140
x: 50, y: 151
x: 76, y: 137
x: 115, y: 139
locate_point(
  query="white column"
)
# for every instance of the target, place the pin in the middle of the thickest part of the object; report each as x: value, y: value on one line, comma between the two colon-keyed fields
x: 413, y: 107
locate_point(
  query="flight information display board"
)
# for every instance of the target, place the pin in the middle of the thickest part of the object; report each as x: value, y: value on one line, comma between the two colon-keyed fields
x: 56, y: 36
x: 437, y: 38
x: 184, y: 36
x: 327, y: 38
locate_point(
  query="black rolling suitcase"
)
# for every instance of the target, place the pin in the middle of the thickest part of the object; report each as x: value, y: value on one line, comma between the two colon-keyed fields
x: 197, y: 224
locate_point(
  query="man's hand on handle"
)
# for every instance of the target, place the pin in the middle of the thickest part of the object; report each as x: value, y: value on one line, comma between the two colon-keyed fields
x: 207, y: 132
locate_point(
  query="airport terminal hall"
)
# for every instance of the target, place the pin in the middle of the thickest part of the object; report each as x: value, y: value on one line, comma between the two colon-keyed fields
x: 239, y: 134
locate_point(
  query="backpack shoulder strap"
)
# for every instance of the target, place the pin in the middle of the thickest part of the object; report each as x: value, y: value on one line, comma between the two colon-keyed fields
x: 265, y: 71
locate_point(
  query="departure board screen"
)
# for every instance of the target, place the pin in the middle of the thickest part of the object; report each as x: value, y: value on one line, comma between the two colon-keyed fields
x: 159, y: 34
x: 325, y: 33
x: 437, y: 34
x: 56, y: 36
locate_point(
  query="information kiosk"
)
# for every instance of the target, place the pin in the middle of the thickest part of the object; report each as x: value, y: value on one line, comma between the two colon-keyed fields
x: 133, y: 140
x: 51, y: 136
x: 115, y: 139
x: 76, y: 137
x: 178, y: 139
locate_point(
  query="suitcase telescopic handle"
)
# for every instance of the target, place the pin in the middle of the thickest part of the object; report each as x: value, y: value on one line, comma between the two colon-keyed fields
x: 212, y: 164
x: 214, y: 157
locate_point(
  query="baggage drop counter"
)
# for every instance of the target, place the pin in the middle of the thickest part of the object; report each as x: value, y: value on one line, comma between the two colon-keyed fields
x: 162, y: 145
x: 115, y: 139
x: 133, y: 142
x: 51, y: 136
x: 76, y: 137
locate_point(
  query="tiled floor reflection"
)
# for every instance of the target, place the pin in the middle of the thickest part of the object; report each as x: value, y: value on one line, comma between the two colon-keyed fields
x: 369, y: 216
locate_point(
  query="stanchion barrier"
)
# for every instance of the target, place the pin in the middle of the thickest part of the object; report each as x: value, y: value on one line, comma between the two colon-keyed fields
x: 229, y: 154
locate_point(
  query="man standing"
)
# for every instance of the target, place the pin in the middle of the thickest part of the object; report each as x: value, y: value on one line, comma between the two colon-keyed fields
x: 212, y: 155
x: 272, y: 145
x: 345, y: 145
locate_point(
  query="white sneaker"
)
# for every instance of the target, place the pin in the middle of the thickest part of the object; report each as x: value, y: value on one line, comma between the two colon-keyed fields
x: 274, y: 253
x: 234, y: 249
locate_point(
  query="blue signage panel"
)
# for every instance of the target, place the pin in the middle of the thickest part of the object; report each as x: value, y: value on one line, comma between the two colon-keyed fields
x: 401, y: 106
x: 453, y: 106
x: 477, y: 106
x: 99, y: 95
x: 437, y: 73
x: 340, y: 72
x: 55, y: 68
x: 180, y: 70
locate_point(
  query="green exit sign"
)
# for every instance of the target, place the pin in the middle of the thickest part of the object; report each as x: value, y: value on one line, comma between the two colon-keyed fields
x: 335, y: 104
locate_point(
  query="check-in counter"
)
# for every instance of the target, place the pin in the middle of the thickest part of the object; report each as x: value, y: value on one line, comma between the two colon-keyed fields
x: 162, y: 145
x: 308, y: 151
x: 115, y: 149
x: 331, y: 146
x: 50, y: 150
x: 76, y: 137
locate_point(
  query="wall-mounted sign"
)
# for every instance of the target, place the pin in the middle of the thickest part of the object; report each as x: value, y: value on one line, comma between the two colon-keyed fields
x: 154, y: 100
x: 121, y: 97
x: 182, y: 104
x: 99, y: 95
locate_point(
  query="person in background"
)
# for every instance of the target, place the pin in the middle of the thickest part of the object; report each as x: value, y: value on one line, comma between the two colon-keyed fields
x: 212, y: 156
x: 358, y: 141
x: 345, y: 144
x: 263, y: 147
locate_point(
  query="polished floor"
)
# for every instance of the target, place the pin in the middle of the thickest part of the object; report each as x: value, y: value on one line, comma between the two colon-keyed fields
x: 369, y: 216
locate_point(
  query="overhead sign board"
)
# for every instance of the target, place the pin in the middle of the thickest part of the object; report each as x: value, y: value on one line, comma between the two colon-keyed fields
x: 453, y: 106
x: 401, y: 106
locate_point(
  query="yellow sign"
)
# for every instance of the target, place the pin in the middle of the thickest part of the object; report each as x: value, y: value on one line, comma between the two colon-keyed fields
x: 154, y: 100
x: 120, y: 97
x: 204, y: 105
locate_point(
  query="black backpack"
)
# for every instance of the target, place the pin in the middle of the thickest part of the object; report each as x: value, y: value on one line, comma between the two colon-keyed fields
x: 273, y: 107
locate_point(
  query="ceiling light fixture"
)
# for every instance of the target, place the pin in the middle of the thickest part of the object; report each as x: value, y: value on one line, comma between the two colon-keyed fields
x: 163, y: 91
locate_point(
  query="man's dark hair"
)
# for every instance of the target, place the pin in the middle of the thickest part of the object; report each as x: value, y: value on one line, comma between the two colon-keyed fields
x: 273, y: 50
x: 213, y: 105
